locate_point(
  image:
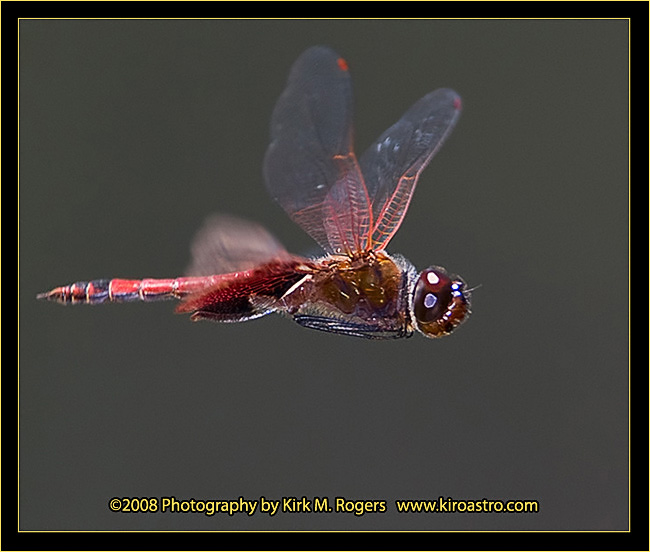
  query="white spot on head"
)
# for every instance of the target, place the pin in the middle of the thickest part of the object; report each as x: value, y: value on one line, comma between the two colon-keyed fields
x: 430, y: 300
x: 432, y: 278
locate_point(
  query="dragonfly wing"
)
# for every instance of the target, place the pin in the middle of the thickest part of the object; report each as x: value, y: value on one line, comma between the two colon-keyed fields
x: 310, y: 167
x: 350, y: 327
x: 246, y: 294
x: 229, y: 244
x: 392, y: 165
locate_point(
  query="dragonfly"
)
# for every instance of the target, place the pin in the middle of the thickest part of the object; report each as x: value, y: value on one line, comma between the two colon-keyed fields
x: 350, y: 206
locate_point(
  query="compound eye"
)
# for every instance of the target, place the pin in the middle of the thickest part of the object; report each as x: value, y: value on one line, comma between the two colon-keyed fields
x: 432, y: 295
x: 438, y: 302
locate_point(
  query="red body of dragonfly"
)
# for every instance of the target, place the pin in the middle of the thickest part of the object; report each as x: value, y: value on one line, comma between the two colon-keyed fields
x: 351, y: 207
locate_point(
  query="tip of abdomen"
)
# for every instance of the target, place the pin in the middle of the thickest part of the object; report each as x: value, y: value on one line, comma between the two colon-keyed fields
x: 96, y: 291
x: 57, y: 294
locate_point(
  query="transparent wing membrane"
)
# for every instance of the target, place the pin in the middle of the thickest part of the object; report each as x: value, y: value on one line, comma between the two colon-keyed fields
x: 310, y: 168
x: 392, y: 165
x: 229, y: 244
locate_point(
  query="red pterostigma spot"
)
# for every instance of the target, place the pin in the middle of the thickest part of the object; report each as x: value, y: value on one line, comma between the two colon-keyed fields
x: 343, y: 65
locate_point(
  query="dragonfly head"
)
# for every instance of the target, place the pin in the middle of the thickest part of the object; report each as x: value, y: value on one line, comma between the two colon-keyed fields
x: 440, y: 302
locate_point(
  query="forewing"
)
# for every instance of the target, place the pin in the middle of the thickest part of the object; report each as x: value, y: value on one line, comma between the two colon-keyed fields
x: 229, y: 244
x: 392, y: 165
x: 310, y: 167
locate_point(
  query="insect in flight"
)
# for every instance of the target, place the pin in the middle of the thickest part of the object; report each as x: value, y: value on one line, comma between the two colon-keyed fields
x: 351, y: 207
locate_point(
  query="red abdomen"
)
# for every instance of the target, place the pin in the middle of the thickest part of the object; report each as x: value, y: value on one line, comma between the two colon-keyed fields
x: 122, y: 291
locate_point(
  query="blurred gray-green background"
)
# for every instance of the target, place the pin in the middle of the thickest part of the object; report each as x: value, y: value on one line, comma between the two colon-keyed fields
x: 132, y: 132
